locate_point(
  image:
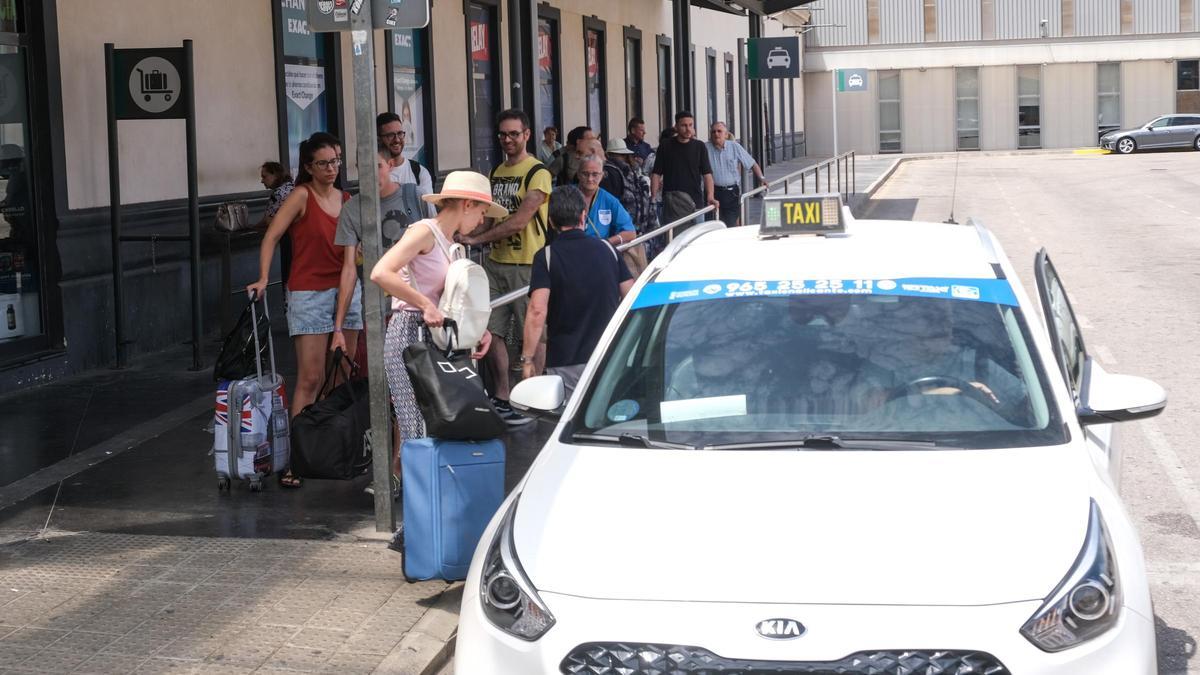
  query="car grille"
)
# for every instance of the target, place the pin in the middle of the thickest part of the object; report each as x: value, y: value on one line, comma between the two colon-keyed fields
x: 629, y: 658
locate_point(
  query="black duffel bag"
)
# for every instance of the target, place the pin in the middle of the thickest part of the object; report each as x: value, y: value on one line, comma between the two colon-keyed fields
x: 328, y: 436
x: 449, y: 392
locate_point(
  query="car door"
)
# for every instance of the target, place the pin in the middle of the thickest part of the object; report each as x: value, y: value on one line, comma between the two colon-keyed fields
x: 1189, y: 128
x: 1155, y: 135
x: 1070, y: 352
x: 1176, y: 133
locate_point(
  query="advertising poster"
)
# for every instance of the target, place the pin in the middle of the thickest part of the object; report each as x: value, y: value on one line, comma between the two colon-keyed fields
x: 304, y: 79
x: 546, y: 80
x: 409, y: 90
x: 595, y: 115
x: 483, y: 90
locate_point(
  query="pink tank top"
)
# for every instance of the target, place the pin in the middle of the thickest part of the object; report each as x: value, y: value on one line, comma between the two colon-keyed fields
x: 427, y: 271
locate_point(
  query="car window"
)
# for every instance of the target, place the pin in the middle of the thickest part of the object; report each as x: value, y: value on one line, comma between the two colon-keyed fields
x: 744, y: 369
x: 1064, y: 329
x: 1160, y: 122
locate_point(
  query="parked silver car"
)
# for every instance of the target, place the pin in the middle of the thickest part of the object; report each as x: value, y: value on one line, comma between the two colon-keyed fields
x: 1168, y: 131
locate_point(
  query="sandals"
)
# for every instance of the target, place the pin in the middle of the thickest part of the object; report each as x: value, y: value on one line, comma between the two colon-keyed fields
x: 288, y: 479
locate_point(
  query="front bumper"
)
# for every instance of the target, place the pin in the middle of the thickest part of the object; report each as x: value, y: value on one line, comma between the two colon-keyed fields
x: 1108, y: 143
x: 727, y: 630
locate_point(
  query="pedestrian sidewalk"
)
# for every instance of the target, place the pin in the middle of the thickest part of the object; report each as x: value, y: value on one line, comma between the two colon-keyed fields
x: 869, y: 172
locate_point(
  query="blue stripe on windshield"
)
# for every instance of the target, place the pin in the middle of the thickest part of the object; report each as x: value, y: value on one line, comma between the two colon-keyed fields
x: 995, y: 291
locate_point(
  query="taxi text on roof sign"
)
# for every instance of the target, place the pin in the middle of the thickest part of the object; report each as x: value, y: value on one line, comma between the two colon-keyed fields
x: 784, y: 215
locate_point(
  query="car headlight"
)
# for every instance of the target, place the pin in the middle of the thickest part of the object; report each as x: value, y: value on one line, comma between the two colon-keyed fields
x: 1088, y: 600
x: 509, y: 599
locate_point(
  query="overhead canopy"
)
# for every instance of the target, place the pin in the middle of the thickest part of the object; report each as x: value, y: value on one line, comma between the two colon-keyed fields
x: 718, y: 5
x: 761, y: 7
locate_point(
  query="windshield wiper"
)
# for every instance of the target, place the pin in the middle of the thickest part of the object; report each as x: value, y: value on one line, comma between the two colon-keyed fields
x: 827, y: 442
x: 632, y: 441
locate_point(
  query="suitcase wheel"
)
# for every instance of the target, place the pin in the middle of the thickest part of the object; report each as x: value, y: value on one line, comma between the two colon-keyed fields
x: 222, y: 484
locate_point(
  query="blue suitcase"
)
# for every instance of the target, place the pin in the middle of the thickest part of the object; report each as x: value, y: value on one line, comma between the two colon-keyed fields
x: 451, y: 491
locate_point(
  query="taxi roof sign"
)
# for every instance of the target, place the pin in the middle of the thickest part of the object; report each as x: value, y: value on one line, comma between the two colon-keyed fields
x: 785, y: 215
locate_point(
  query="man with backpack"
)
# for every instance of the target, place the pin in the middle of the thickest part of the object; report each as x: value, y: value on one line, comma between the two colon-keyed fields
x: 522, y: 185
x: 405, y: 171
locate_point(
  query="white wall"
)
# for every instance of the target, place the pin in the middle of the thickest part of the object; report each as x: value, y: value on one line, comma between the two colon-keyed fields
x: 1147, y: 91
x: 998, y: 108
x: 236, y: 117
x: 1069, y: 105
x: 927, y: 110
x: 858, y: 116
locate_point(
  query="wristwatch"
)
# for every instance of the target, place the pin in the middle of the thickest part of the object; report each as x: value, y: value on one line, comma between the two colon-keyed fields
x: 522, y: 359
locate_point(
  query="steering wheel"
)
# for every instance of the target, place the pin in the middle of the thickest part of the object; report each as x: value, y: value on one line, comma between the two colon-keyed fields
x: 923, y: 384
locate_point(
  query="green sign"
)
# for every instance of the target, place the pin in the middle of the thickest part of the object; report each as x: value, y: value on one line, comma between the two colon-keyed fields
x: 852, y: 79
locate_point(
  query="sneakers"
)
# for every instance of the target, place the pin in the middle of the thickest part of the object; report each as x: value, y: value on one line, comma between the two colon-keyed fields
x: 370, y: 489
x: 511, y: 417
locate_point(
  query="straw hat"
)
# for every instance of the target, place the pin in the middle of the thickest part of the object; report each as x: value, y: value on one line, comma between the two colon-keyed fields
x: 468, y: 185
x: 617, y: 146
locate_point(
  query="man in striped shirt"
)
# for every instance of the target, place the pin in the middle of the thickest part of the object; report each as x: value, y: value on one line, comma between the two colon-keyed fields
x: 728, y: 158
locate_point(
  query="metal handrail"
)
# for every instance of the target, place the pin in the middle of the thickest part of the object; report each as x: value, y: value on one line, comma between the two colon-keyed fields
x: 828, y: 165
x: 513, y: 296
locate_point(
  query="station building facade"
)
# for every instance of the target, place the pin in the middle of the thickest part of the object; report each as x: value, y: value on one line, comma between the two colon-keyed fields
x: 946, y: 75
x: 263, y: 82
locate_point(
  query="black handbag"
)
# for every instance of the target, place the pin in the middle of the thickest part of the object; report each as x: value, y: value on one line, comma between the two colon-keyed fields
x: 449, y: 392
x: 240, y: 348
x: 328, y: 436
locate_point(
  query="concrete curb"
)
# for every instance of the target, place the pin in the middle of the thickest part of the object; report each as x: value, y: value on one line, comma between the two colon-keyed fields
x: 427, y: 647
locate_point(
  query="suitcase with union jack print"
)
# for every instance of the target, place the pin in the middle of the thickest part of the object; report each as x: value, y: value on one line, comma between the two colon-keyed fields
x: 250, y: 430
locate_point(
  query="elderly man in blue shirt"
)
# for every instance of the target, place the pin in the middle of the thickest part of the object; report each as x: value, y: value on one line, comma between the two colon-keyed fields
x: 606, y: 218
x: 728, y: 158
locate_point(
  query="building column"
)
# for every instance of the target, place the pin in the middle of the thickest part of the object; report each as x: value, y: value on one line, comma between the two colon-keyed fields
x: 522, y: 58
x: 758, y: 146
x: 682, y: 25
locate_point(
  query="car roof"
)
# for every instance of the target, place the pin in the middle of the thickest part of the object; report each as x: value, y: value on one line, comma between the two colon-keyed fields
x: 870, y: 249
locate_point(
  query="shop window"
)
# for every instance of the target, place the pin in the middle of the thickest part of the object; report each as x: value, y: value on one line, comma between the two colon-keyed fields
x: 633, y: 73
x: 1108, y: 97
x: 21, y: 306
x: 595, y: 77
x: 710, y: 72
x: 483, y: 80
x: 966, y: 103
x: 310, y: 81
x: 730, y: 104
x: 411, y: 95
x: 666, y: 108
x: 549, y: 68
x: 1029, y: 106
x: 889, y: 112
x: 1187, y: 94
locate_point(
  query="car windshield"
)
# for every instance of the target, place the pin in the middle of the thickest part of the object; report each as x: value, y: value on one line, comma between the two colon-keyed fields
x: 843, y: 369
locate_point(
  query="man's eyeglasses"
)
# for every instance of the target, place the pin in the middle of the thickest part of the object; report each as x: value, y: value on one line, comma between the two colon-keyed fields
x: 327, y: 163
x: 590, y: 174
x: 509, y: 134
x: 392, y: 135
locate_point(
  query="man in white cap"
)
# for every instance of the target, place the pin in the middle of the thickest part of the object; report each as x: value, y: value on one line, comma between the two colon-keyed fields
x: 623, y: 180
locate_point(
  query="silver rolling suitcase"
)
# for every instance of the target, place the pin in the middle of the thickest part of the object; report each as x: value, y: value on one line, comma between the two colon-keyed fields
x: 250, y: 429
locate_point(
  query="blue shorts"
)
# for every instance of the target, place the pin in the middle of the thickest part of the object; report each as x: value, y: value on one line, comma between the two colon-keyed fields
x: 312, y: 312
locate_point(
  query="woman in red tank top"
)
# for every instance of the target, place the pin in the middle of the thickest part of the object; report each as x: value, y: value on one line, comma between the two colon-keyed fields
x: 310, y: 215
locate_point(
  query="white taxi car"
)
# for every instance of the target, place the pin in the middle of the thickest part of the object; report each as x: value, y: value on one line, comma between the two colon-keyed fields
x: 858, y: 451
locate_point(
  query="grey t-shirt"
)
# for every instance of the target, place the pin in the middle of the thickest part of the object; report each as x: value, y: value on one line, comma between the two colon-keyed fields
x: 349, y: 229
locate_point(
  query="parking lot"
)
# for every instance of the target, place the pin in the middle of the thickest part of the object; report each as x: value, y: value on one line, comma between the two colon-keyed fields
x: 1124, y: 234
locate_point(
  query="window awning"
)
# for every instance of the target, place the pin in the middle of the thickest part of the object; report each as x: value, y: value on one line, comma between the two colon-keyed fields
x: 763, y: 7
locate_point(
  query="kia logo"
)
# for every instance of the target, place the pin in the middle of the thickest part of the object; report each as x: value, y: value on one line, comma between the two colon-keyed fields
x: 780, y: 629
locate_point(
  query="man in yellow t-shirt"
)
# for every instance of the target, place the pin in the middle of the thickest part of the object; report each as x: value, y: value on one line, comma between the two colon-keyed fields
x: 522, y: 185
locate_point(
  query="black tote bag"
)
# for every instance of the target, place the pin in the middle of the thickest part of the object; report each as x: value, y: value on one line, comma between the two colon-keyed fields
x: 327, y: 436
x: 239, y: 349
x: 449, y: 392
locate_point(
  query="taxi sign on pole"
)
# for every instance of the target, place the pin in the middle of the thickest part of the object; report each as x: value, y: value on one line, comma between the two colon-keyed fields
x: 785, y: 215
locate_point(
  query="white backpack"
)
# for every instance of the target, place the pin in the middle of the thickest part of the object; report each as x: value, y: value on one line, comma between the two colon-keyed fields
x: 467, y: 300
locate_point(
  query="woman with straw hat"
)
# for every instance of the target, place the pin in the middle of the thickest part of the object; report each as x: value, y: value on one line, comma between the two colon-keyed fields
x: 413, y: 272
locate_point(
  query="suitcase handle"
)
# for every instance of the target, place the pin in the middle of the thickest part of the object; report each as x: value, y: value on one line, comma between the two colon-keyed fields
x: 254, y: 298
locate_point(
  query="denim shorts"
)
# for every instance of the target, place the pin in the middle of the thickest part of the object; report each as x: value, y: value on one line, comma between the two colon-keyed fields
x: 312, y: 312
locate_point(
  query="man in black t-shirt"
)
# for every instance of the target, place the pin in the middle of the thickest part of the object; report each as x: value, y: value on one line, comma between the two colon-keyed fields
x: 682, y: 172
x: 575, y: 287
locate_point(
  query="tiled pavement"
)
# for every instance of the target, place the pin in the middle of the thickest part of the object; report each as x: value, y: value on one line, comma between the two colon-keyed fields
x: 120, y: 603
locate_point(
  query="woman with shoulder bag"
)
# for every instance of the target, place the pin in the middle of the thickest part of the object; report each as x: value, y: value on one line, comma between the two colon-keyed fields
x: 413, y: 272
x: 309, y: 216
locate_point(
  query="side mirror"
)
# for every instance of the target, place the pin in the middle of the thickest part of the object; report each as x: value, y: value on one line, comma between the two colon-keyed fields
x: 541, y: 396
x: 1108, y: 398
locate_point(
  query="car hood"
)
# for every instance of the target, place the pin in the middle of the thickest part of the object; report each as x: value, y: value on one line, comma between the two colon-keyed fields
x: 820, y: 527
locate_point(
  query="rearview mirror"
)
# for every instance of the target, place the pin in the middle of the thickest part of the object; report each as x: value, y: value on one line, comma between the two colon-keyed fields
x: 541, y: 396
x: 1108, y: 398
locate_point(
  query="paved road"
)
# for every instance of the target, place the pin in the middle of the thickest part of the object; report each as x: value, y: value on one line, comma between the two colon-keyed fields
x: 1124, y: 235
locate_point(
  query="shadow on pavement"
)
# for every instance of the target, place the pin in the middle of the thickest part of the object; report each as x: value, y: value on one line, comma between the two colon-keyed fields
x: 1175, y: 647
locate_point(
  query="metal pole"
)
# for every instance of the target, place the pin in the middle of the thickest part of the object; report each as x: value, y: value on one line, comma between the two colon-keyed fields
x: 379, y: 437
x: 114, y: 205
x: 833, y: 94
x: 743, y: 103
x: 193, y: 205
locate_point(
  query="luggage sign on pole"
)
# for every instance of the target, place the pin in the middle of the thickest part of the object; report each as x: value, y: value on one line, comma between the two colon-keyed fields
x: 330, y: 16
x: 149, y: 84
